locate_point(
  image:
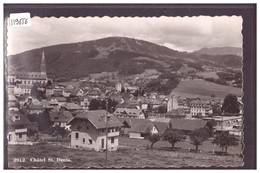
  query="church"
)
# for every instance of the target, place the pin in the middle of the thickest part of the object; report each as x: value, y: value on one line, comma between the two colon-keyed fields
x: 22, y: 82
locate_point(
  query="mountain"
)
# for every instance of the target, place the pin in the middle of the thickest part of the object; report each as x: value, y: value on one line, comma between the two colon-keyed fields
x: 126, y: 55
x: 220, y: 51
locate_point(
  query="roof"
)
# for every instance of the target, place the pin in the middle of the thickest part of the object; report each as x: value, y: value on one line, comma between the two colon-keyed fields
x: 187, y: 124
x: 130, y: 112
x: 59, y: 99
x: 35, y: 107
x: 162, y: 120
x: 176, y: 112
x: 60, y: 116
x: 72, y: 106
x: 161, y: 126
x: 97, y: 118
x: 198, y: 103
x: 21, y: 120
x: 141, y: 127
x: 11, y: 97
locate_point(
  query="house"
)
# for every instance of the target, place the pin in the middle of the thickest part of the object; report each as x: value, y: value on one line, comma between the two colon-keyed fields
x: 141, y: 128
x: 56, y: 101
x: 199, y: 108
x: 19, y: 128
x: 232, y: 124
x: 72, y: 107
x: 49, y: 91
x: 66, y: 92
x: 35, y: 109
x: 77, y: 93
x: 176, y: 113
x: 188, y: 125
x: 129, y: 113
x: 60, y: 118
x: 88, y: 130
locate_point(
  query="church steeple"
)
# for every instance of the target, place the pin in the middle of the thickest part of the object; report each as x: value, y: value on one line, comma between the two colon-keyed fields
x: 43, y: 65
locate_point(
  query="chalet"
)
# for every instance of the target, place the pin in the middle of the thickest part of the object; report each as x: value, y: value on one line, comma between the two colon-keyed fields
x: 19, y: 127
x: 77, y: 93
x: 60, y: 118
x: 88, y: 130
x: 49, y: 91
x: 188, y: 125
x: 66, y: 92
x: 72, y: 107
x: 35, y: 109
x: 94, y: 94
x: 141, y: 128
x: 176, y: 113
x: 129, y: 113
x: 56, y: 101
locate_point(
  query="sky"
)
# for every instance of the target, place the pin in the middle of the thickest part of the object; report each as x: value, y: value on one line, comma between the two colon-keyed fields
x: 178, y: 33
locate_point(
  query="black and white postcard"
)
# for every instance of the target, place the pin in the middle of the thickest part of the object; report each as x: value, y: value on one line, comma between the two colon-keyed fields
x: 126, y: 91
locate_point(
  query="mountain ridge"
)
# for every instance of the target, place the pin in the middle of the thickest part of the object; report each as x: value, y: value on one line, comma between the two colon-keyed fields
x: 110, y: 54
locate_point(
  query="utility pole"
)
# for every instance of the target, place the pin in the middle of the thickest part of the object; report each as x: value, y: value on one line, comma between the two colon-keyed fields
x: 106, y: 129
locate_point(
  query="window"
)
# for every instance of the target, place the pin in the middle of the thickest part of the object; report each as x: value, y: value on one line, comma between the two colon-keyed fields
x: 90, y: 141
x: 112, y: 140
x: 76, y: 136
x: 83, y: 140
x: 103, y: 130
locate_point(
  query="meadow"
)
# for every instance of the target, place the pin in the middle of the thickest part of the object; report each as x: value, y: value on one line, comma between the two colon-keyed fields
x: 129, y: 155
x: 202, y: 88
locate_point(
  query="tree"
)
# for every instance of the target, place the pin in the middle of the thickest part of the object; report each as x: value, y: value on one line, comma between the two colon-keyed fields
x: 198, y: 136
x: 225, y: 140
x: 153, y: 138
x: 216, y: 109
x: 35, y: 92
x: 58, y: 131
x: 94, y: 104
x: 231, y: 104
x: 173, y: 136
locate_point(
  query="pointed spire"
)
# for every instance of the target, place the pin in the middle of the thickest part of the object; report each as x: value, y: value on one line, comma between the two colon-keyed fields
x: 43, y: 66
x: 43, y: 58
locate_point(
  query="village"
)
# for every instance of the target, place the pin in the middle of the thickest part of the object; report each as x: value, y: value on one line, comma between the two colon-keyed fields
x: 103, y: 114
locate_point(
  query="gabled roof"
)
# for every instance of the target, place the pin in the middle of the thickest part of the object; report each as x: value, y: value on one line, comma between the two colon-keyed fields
x: 141, y: 127
x: 130, y: 112
x: 97, y: 118
x: 71, y: 106
x: 35, y: 107
x: 162, y: 120
x: 187, y: 124
x: 161, y: 126
x: 20, y: 120
x: 60, y: 116
x: 59, y: 99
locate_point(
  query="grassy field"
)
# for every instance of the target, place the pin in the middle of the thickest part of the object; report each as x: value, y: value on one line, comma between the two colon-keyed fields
x: 127, y: 156
x: 208, y: 74
x: 202, y: 88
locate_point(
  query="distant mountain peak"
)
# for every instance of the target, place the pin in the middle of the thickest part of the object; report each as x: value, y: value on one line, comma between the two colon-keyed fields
x: 228, y: 50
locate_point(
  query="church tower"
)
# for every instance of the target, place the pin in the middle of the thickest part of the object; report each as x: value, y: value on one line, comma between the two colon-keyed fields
x: 43, y: 65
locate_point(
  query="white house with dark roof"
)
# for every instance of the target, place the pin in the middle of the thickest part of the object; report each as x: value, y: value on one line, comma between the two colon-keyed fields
x: 60, y: 118
x: 129, y: 113
x: 18, y: 129
x: 88, y: 130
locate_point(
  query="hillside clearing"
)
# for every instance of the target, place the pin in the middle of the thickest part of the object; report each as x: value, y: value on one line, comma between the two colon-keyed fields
x: 202, y: 88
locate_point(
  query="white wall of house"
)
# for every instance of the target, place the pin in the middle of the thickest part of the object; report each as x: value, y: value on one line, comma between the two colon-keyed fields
x: 135, y: 135
x: 85, y: 135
